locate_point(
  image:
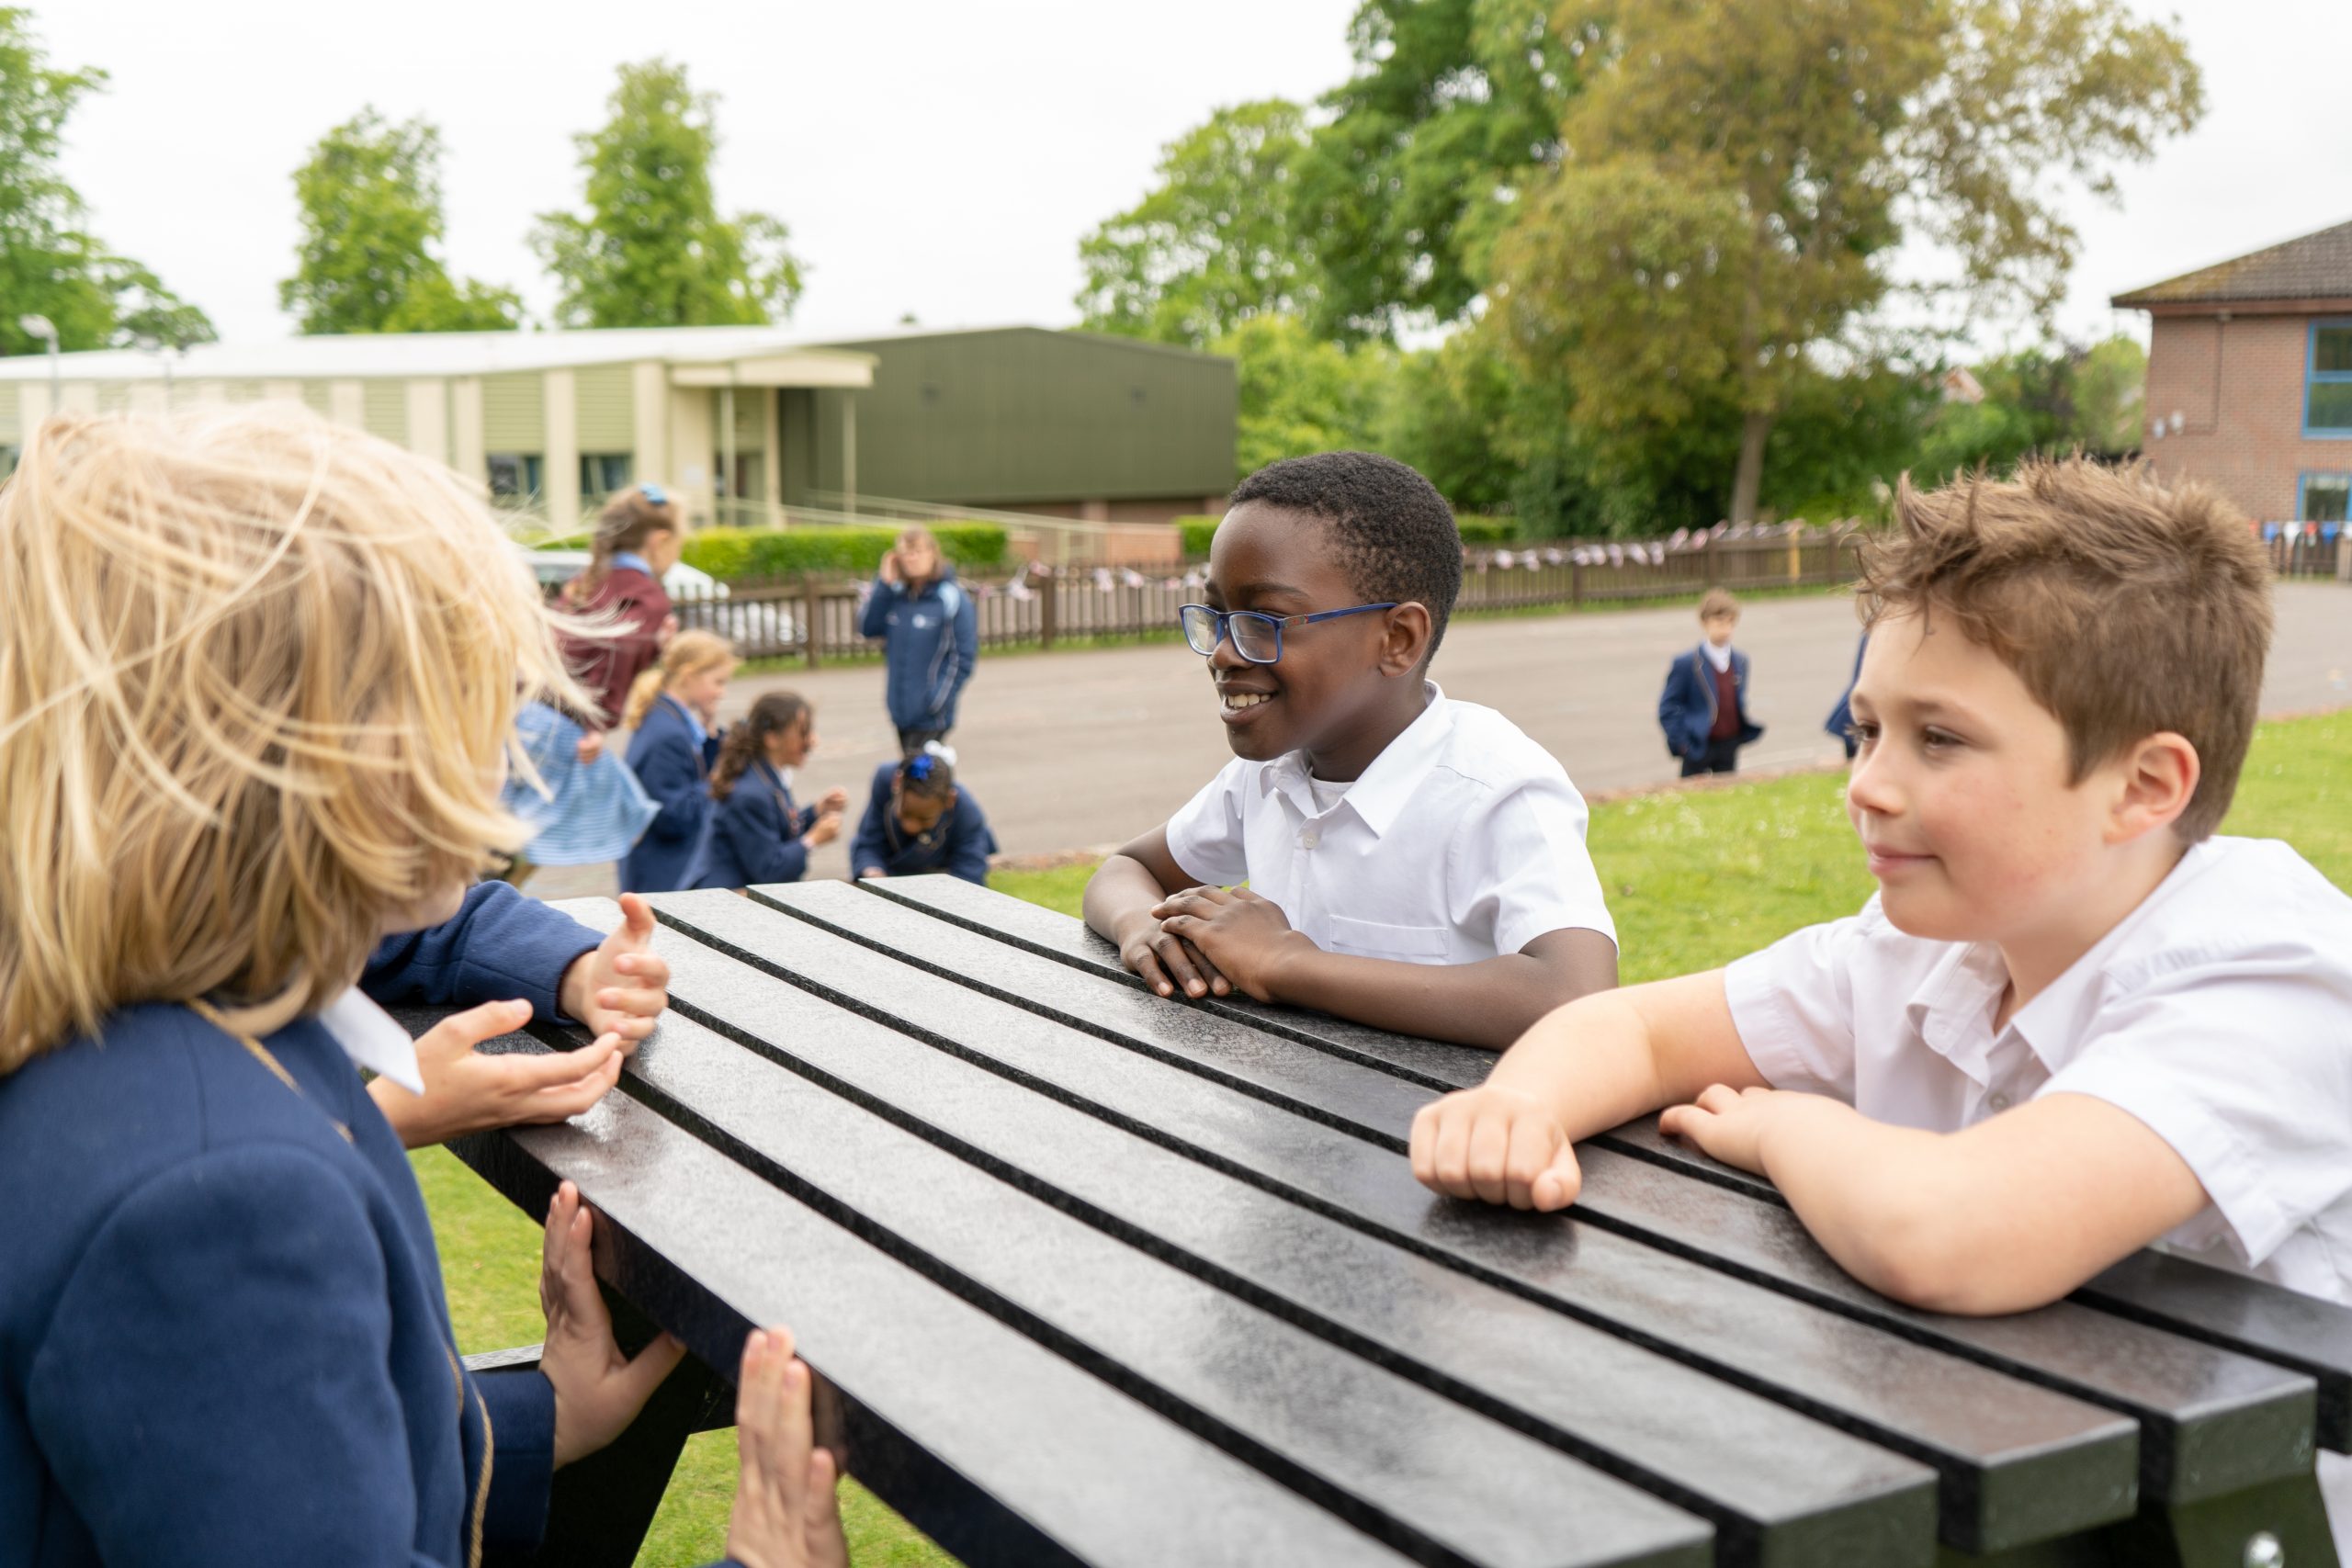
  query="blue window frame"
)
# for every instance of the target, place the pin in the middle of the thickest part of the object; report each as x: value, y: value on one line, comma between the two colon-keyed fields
x: 2323, y: 498
x: 2327, y: 380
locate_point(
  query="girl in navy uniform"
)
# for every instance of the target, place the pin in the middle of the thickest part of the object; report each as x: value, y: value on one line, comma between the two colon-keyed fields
x: 917, y: 819
x: 758, y: 833
x: 264, y: 674
x: 674, y: 708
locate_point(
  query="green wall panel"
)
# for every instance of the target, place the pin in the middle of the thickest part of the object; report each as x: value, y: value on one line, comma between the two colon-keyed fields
x: 606, y: 407
x: 513, y: 412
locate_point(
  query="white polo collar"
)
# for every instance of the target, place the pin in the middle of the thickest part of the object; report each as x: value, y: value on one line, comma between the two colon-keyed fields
x: 370, y: 1037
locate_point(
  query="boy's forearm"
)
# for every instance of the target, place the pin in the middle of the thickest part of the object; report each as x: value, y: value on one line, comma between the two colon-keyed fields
x: 1487, y: 1004
x: 1121, y: 892
x: 1601, y: 1060
x: 1864, y: 1189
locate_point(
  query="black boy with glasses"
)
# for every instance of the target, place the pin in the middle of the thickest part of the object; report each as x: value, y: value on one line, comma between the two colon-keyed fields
x: 1413, y: 862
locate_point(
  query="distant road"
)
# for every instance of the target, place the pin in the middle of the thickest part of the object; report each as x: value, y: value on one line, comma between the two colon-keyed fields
x: 1072, y: 750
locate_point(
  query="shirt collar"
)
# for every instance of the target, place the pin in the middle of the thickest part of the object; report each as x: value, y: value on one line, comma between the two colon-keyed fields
x: 2056, y: 1021
x: 1380, y: 795
x: 1952, y: 1009
x: 372, y: 1039
x: 1718, y: 656
x: 632, y: 560
x: 693, y: 724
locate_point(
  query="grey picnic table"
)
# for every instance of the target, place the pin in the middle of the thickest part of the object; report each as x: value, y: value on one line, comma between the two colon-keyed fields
x: 1094, y: 1277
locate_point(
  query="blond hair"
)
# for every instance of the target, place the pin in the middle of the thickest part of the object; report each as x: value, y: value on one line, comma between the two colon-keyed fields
x: 257, y: 676
x: 2128, y: 608
x: 689, y: 653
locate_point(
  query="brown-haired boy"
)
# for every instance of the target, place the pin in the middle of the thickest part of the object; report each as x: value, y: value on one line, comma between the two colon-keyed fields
x: 1704, y: 708
x: 2072, y: 1022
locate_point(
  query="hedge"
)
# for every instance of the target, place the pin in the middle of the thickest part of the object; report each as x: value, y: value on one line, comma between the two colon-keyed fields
x: 1198, y: 531
x: 731, y: 553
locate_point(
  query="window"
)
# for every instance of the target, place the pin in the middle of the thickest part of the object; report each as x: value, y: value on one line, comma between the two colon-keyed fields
x: 604, y: 473
x: 516, y: 476
x: 2327, y: 394
x: 8, y: 456
x: 2326, y: 497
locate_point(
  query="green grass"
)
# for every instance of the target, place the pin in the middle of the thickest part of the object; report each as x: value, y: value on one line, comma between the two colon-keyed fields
x: 1695, y: 878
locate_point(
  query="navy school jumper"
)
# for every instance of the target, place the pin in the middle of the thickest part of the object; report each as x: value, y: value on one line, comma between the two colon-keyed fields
x: 754, y: 834
x: 959, y: 844
x: 223, y: 1340
x: 1686, y: 709
x: 676, y: 773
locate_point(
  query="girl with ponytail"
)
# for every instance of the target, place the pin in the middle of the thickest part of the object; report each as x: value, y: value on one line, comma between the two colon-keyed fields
x: 758, y: 833
x: 638, y: 539
x: 673, y: 708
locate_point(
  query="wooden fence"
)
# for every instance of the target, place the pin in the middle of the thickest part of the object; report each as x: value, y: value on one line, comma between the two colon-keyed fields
x: 1043, y: 605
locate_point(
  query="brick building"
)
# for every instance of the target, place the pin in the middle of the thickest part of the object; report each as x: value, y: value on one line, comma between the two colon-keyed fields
x: 2250, y: 377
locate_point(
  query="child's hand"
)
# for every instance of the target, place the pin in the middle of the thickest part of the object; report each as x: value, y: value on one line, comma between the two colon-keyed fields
x: 835, y: 802
x: 466, y: 1091
x: 1244, y: 935
x: 668, y: 629
x: 1727, y: 1124
x: 591, y: 747
x: 598, y: 1390
x: 621, y: 988
x: 824, y: 830
x: 1497, y: 1144
x: 787, y: 1514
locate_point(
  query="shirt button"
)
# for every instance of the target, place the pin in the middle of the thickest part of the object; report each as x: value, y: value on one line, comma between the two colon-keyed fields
x: 1998, y: 1102
x: 1309, y: 839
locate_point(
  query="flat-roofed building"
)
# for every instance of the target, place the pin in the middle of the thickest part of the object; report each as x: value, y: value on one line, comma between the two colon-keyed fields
x: 737, y: 421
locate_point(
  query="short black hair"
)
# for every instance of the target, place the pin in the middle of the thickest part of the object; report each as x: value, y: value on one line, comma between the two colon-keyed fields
x: 1396, y: 534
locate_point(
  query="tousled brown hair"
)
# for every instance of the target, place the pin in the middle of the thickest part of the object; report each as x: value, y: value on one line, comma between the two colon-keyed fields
x: 775, y: 713
x: 627, y: 521
x: 2127, y: 607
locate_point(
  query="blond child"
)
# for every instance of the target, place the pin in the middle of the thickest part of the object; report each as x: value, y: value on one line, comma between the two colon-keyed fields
x: 673, y: 708
x: 258, y: 678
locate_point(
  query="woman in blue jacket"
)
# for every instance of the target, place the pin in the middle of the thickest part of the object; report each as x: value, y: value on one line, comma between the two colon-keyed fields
x: 757, y: 832
x: 672, y: 709
x: 931, y: 638
x: 917, y: 821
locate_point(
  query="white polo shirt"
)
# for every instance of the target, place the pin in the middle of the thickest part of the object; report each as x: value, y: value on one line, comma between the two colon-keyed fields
x: 2219, y: 1012
x: 1463, y: 840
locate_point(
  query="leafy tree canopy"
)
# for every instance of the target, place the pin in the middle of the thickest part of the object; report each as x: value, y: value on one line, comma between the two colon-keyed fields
x: 1209, y: 248
x: 369, y: 262
x: 651, y: 249
x: 1300, y: 393
x: 50, y: 265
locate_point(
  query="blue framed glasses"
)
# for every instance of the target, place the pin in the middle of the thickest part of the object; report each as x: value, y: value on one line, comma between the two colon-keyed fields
x: 1257, y: 637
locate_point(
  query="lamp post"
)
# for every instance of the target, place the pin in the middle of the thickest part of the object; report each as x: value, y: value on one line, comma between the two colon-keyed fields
x: 43, y: 328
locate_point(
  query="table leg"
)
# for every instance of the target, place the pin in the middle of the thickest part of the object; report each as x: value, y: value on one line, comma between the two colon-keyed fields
x: 2283, y: 1523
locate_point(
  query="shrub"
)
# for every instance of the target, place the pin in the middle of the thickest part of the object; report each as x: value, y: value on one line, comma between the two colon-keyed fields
x: 731, y: 553
x: 1197, y: 532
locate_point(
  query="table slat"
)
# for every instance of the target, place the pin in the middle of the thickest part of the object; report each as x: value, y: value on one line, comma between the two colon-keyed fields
x: 1778, y: 1486
x: 2019, y: 1463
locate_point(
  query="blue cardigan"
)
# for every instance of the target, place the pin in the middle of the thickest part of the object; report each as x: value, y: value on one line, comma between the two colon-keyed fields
x: 930, y: 642
x: 960, y: 845
x: 754, y: 834
x: 676, y: 773
x: 223, y: 1338
x: 1686, y: 709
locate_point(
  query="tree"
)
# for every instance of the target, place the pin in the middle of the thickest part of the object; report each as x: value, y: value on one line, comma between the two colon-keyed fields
x: 1300, y: 393
x: 370, y: 198
x: 1210, y: 247
x: 50, y: 265
x: 1739, y: 176
x: 1455, y: 106
x: 651, y: 250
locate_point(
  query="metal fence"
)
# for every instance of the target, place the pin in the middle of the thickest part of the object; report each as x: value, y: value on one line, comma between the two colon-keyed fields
x: 815, y: 617
x: 2305, y: 549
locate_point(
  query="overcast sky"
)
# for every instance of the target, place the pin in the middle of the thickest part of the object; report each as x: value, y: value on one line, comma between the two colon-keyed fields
x: 941, y: 157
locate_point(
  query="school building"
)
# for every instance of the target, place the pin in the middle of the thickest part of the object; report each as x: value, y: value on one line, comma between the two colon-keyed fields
x: 741, y: 422
x: 2250, y: 378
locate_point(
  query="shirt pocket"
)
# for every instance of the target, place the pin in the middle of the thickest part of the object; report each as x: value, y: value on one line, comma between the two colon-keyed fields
x: 1410, y: 944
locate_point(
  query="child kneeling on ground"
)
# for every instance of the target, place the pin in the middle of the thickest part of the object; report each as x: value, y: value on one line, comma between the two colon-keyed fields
x: 2072, y: 1022
x: 758, y: 833
x: 919, y: 820
x: 261, y: 676
x: 1413, y: 861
